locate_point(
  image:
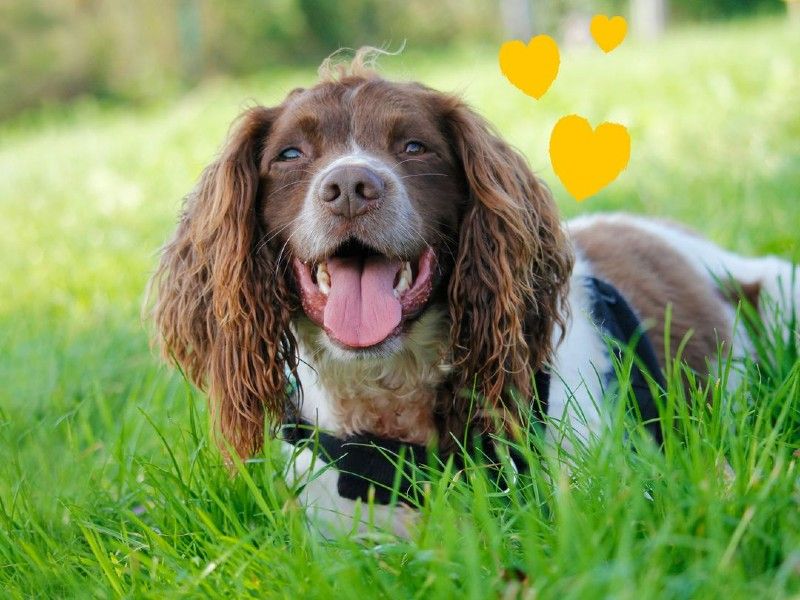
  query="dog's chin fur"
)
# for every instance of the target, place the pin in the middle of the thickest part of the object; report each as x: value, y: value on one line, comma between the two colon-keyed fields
x: 382, y: 351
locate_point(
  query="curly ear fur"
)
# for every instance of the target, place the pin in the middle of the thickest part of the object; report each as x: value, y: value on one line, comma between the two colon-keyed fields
x: 223, y: 307
x: 508, y: 288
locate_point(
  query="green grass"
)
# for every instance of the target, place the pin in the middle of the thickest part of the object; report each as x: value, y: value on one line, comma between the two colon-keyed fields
x: 109, y: 486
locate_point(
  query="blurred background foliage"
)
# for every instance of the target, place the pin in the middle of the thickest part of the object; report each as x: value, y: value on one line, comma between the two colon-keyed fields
x: 140, y: 50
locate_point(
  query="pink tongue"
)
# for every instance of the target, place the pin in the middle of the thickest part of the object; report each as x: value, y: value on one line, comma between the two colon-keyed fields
x: 362, y: 309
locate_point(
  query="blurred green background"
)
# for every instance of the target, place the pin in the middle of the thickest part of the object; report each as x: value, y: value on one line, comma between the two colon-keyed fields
x: 138, y: 51
x: 110, y: 110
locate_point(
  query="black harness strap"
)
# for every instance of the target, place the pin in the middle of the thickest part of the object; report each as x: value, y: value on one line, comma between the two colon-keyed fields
x: 613, y: 313
x: 366, y: 460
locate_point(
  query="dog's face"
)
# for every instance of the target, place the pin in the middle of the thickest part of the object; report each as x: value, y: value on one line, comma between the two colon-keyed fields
x: 354, y: 207
x: 362, y: 190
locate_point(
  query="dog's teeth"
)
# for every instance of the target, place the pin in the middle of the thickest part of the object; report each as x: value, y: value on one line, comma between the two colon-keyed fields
x: 404, y: 282
x: 323, y: 278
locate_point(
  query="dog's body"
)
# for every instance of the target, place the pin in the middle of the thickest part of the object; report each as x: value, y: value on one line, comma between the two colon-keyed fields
x: 379, y: 245
x: 654, y: 264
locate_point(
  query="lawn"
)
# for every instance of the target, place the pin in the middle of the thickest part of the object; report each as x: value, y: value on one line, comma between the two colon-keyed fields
x: 110, y: 487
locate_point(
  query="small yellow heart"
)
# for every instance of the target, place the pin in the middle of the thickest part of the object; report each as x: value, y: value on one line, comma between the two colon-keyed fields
x: 584, y: 160
x: 531, y: 68
x: 608, y: 33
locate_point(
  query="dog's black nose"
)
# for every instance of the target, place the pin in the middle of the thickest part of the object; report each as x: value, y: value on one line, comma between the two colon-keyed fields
x: 351, y: 190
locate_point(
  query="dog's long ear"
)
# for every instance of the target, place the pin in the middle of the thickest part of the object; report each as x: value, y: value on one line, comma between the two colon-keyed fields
x: 223, y: 308
x: 508, y: 288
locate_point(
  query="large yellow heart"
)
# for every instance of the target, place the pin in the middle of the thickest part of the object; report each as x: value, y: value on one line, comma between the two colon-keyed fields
x: 584, y: 160
x: 608, y: 33
x: 531, y: 68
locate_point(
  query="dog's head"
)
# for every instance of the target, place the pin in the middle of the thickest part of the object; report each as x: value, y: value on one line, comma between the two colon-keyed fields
x: 355, y: 206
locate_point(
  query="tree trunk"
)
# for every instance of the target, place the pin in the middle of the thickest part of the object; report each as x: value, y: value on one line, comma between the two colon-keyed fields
x: 648, y: 18
x: 793, y: 8
x: 517, y: 18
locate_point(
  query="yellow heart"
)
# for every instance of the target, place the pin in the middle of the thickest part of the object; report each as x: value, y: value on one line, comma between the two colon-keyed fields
x: 584, y: 160
x: 608, y: 33
x: 531, y: 68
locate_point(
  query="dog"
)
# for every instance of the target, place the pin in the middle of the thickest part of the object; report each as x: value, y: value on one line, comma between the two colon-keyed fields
x: 371, y: 260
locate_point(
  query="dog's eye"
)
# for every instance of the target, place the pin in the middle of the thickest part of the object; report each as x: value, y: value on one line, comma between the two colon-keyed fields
x: 414, y: 148
x: 289, y: 154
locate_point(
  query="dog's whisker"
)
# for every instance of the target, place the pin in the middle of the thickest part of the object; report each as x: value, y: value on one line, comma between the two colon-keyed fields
x: 265, y: 240
x: 280, y: 254
x: 402, y: 162
x: 288, y: 185
x: 424, y: 175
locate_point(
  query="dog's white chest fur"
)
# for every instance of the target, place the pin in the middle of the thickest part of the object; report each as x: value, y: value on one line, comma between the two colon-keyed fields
x: 389, y: 396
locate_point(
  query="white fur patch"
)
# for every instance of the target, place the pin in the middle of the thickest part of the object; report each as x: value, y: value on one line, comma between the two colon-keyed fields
x: 577, y: 368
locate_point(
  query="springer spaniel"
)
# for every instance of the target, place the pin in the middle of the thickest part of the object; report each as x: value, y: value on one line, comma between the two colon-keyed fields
x: 371, y: 259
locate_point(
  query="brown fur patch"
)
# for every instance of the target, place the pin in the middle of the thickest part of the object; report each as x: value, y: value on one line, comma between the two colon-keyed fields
x: 652, y: 275
x: 739, y: 291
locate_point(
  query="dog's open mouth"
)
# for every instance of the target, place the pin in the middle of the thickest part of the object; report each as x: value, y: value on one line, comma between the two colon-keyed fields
x: 361, y: 297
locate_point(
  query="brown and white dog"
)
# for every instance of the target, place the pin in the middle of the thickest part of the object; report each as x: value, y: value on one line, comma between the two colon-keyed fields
x: 378, y: 243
